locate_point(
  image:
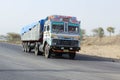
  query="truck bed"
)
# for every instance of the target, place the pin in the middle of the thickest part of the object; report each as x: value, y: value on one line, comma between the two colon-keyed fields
x: 33, y: 34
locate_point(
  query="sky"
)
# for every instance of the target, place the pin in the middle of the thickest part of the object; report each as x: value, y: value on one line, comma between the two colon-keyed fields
x: 15, y: 14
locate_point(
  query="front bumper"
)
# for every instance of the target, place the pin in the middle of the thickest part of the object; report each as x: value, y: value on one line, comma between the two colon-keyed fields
x: 64, y: 49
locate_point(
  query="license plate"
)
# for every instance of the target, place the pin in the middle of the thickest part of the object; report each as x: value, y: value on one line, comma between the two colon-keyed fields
x: 65, y: 50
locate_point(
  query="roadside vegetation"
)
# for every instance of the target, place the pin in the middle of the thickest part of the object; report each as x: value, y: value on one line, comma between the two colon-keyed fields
x: 11, y: 37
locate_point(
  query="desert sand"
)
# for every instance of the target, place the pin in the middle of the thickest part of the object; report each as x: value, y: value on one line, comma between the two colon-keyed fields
x: 108, y: 47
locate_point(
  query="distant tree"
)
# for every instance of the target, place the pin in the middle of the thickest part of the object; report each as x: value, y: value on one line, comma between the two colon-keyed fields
x: 100, y: 32
x: 95, y: 32
x: 13, y: 36
x: 110, y: 30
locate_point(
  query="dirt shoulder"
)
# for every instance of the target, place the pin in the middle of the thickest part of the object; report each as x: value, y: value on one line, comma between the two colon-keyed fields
x: 109, y: 47
x: 108, y: 51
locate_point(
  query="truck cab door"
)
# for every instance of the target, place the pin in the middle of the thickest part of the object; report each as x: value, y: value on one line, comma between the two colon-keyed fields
x: 47, y: 33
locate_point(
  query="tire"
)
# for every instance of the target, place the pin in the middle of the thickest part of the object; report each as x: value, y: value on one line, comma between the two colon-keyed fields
x: 28, y: 49
x: 72, y: 55
x: 47, y: 51
x: 36, y: 50
x: 23, y: 45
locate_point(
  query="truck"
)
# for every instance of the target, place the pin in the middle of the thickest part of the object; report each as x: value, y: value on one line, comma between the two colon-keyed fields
x: 56, y: 34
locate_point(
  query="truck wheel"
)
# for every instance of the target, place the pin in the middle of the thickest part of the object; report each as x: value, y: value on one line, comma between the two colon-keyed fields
x: 72, y: 55
x: 47, y: 51
x: 23, y: 45
x: 28, y: 48
x: 36, y: 50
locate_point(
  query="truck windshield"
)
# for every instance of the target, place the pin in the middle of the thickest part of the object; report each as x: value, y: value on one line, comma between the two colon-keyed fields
x: 73, y: 29
x: 57, y: 28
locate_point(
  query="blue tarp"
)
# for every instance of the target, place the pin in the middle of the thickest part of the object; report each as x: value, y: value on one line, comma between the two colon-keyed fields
x: 30, y: 26
x: 42, y: 24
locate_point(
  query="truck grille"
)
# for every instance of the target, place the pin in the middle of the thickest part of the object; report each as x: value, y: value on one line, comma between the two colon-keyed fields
x: 66, y: 42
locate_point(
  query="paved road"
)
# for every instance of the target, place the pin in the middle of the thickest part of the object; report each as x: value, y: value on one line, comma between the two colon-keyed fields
x: 17, y: 65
